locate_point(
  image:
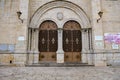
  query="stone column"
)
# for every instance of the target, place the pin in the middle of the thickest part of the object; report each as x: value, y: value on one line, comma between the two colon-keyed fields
x: 90, y: 50
x: 31, y: 47
x: 60, y: 52
x: 29, y: 44
x: 98, y: 33
x: 36, y: 52
x: 33, y: 44
x: 84, y: 43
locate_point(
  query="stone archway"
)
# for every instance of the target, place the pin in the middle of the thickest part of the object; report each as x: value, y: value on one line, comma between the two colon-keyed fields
x: 36, y: 19
x: 81, y: 18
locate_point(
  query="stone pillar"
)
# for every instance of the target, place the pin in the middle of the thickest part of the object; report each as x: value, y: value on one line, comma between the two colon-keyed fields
x: 90, y: 50
x: 31, y: 56
x: 60, y: 52
x: 98, y: 33
x: 36, y: 40
x: 28, y: 45
x: 84, y: 43
x: 33, y: 52
x: 36, y: 52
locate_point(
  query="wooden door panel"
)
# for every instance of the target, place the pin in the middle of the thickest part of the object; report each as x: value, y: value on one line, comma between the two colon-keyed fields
x: 72, y: 44
x: 48, y: 41
x: 77, y: 41
x: 68, y: 57
x: 43, y: 37
x: 47, y: 56
x: 43, y: 56
x: 67, y: 45
x: 52, y: 56
x: 53, y: 40
x: 76, y: 57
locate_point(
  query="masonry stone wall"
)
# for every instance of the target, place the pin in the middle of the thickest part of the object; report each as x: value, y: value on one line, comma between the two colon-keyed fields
x: 84, y: 4
x: 14, y: 29
x: 111, y: 25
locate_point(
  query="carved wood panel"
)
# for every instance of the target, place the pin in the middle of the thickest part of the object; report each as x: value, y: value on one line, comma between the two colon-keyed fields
x: 53, y: 40
x: 48, y: 41
x: 67, y: 44
x: 72, y: 44
x: 72, y: 41
x: 43, y: 40
x: 77, y: 41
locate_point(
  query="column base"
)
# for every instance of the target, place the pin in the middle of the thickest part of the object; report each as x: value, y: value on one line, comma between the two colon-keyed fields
x: 60, y: 56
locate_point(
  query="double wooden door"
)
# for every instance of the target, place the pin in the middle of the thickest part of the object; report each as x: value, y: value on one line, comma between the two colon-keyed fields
x: 48, y: 41
x: 72, y: 42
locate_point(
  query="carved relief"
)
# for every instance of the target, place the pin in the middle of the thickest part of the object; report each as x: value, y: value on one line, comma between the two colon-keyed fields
x: 43, y: 40
x: 67, y: 41
x: 60, y: 16
x: 77, y: 40
x: 53, y: 40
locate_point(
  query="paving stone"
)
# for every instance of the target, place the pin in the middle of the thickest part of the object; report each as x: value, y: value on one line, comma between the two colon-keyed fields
x: 59, y: 73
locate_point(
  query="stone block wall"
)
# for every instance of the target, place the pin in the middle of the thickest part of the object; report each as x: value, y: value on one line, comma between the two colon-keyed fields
x: 15, y: 32
x: 111, y: 25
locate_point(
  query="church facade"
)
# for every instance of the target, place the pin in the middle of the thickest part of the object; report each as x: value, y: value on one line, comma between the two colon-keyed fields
x: 60, y: 31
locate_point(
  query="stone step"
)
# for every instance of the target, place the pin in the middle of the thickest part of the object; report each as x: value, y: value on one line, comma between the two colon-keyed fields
x: 59, y: 65
x: 8, y: 65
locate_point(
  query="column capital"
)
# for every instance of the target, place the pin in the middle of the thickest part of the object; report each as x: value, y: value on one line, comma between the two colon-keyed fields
x: 60, y: 29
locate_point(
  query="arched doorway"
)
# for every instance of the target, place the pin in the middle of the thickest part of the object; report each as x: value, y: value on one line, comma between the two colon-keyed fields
x: 72, y: 42
x: 45, y: 13
x: 47, y: 41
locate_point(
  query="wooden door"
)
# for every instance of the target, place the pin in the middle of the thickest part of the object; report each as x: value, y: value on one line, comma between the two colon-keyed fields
x: 48, y: 41
x: 72, y: 43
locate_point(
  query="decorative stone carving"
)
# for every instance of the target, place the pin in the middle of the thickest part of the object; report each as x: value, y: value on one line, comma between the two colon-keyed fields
x: 60, y: 16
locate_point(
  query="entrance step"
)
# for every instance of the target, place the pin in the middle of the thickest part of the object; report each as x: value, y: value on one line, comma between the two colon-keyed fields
x: 59, y: 65
x: 8, y: 65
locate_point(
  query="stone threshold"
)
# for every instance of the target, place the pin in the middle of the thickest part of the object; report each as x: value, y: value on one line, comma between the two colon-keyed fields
x: 58, y: 65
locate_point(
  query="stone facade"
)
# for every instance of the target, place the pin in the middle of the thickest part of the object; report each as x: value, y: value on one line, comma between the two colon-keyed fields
x: 99, y: 20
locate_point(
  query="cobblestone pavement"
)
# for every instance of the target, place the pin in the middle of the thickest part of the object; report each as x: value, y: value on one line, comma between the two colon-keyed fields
x: 59, y: 73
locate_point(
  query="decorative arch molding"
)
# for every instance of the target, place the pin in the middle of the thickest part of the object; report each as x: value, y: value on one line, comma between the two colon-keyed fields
x: 36, y: 18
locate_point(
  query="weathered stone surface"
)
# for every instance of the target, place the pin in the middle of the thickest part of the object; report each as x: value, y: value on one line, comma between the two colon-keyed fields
x: 11, y: 27
x: 59, y: 73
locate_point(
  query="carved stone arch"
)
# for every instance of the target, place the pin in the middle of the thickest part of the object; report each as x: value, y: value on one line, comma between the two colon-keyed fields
x: 36, y: 18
